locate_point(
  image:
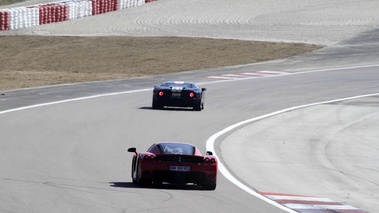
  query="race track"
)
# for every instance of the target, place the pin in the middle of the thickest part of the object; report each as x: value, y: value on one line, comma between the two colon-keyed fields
x: 63, y: 148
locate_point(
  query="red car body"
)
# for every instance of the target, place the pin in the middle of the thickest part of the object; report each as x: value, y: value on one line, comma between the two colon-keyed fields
x: 174, y: 163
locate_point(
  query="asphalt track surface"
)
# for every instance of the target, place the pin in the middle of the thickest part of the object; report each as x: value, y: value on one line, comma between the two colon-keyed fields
x: 63, y: 148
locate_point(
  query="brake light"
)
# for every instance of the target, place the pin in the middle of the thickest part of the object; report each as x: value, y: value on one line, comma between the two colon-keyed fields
x: 148, y: 157
x: 161, y: 93
x: 209, y: 160
x: 191, y: 94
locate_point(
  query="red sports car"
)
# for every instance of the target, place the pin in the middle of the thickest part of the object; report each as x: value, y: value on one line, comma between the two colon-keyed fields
x: 174, y: 163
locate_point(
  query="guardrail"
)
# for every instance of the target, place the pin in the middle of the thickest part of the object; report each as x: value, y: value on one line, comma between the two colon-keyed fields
x: 29, y: 16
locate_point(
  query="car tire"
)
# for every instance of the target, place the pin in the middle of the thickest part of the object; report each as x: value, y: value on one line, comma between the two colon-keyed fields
x: 155, y: 105
x: 209, y: 186
x: 134, y: 180
x: 141, y: 182
x: 198, y: 106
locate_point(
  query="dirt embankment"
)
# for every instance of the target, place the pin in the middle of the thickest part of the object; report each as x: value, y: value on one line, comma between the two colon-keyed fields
x: 29, y: 61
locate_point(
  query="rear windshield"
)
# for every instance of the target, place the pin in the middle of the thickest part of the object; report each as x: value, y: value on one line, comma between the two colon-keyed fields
x: 176, y: 149
x: 179, y: 84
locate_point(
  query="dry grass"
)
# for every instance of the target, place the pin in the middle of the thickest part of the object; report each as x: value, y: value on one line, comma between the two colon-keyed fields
x: 29, y: 61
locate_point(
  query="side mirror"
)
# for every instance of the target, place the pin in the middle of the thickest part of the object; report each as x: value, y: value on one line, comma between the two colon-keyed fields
x: 133, y: 149
x: 209, y: 153
x: 203, y: 89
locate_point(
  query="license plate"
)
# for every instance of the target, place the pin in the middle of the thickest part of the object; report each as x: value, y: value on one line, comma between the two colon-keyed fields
x: 180, y: 168
x: 176, y: 95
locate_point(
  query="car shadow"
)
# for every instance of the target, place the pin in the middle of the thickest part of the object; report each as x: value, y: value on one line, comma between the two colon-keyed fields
x: 123, y: 185
x: 170, y: 109
x: 155, y: 186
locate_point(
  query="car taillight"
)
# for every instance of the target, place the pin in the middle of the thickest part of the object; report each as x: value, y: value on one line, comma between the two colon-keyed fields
x: 148, y: 157
x: 191, y: 94
x: 209, y: 160
x: 161, y: 93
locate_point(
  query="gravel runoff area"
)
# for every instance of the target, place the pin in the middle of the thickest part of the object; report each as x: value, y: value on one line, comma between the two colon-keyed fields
x: 170, y: 36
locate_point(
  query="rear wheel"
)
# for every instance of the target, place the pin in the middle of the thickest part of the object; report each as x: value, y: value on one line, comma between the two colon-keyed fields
x: 134, y: 180
x: 140, y: 182
x: 143, y: 183
x: 209, y: 186
x: 198, y: 106
x: 156, y: 105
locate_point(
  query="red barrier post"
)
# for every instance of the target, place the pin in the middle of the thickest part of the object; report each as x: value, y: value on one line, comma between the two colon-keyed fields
x: 51, y: 14
x: 47, y: 15
x: 65, y: 12
x: 58, y: 13
x: 101, y: 6
x: 2, y: 20
x: 41, y: 15
x: 94, y: 6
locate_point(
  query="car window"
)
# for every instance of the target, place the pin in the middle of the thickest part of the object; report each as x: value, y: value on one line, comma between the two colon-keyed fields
x: 166, y: 84
x: 179, y: 84
x: 176, y: 149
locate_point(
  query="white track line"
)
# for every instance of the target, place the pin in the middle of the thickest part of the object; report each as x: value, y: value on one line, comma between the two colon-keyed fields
x: 70, y: 100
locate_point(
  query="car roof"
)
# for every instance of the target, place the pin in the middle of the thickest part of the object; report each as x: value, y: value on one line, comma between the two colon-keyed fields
x: 178, y: 82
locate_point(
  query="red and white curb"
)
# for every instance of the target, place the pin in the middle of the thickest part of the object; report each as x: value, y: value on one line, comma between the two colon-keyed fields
x: 34, y: 15
x: 306, y: 204
x: 255, y: 74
